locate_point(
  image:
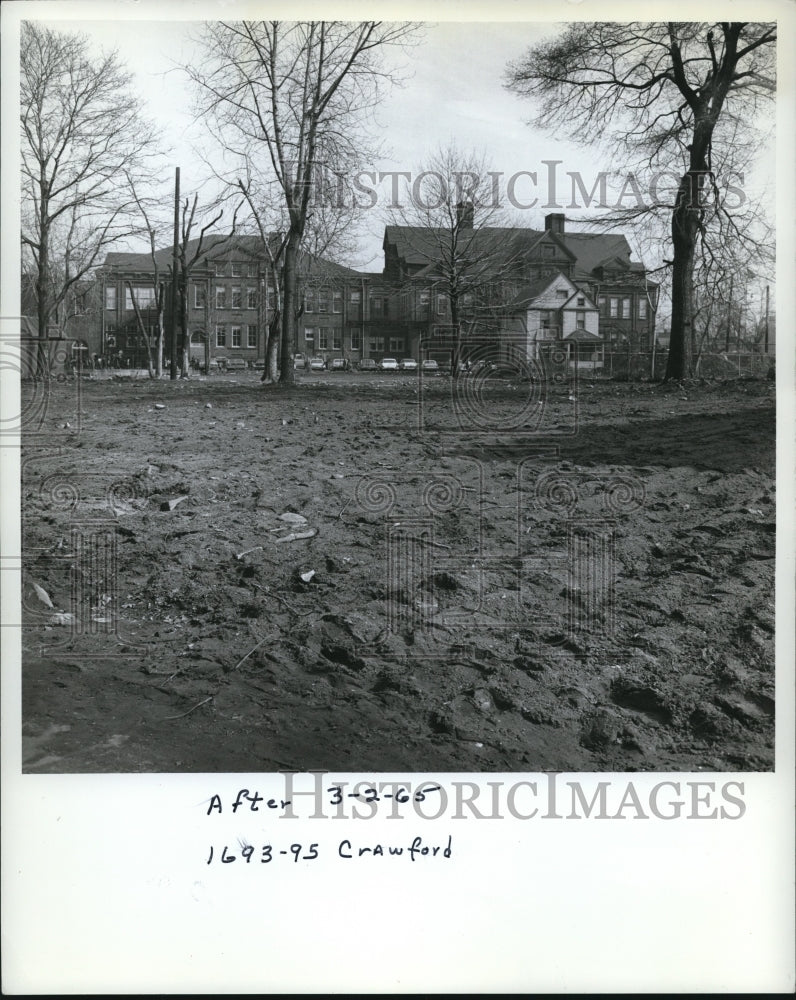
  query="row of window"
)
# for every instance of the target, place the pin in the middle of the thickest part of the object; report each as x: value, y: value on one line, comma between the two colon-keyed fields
x: 236, y: 336
x: 549, y: 319
x: 614, y: 306
x: 617, y: 307
x: 145, y: 297
x: 220, y: 298
x: 237, y: 267
x: 396, y: 345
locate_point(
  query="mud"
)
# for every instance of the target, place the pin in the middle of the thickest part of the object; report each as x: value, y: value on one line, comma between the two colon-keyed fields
x: 590, y: 593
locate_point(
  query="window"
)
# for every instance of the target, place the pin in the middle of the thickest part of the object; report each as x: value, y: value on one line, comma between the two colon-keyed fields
x: 220, y: 268
x: 237, y: 298
x: 251, y: 298
x: 467, y: 300
x: 376, y: 344
x: 581, y: 300
x: 356, y: 297
x: 323, y: 301
x: 355, y: 341
x: 614, y: 306
x: 309, y: 335
x: 643, y: 342
x: 237, y: 269
x: 198, y: 296
x: 397, y: 345
x: 580, y: 320
x: 337, y: 302
x: 323, y: 339
x: 236, y: 342
x: 561, y: 293
x: 309, y: 300
x: 547, y: 318
x: 110, y: 296
x: 376, y: 306
x: 642, y: 308
x: 251, y: 336
x: 442, y: 305
x: 144, y: 297
x: 251, y: 270
x: 625, y: 308
x: 221, y: 336
x: 549, y: 251
x: 337, y: 338
x: 221, y: 297
x: 602, y: 302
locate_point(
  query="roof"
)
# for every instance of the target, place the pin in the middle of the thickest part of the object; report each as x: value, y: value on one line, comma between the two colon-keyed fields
x: 422, y: 245
x: 582, y: 335
x: 216, y: 246
x: 425, y: 244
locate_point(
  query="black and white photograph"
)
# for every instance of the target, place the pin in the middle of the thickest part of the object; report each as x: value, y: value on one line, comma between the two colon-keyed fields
x: 401, y: 398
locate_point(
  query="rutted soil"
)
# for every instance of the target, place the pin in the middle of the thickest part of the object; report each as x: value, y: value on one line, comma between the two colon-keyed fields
x: 589, y: 591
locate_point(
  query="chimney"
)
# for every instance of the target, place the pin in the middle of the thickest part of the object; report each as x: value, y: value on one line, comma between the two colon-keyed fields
x: 465, y: 212
x: 555, y: 223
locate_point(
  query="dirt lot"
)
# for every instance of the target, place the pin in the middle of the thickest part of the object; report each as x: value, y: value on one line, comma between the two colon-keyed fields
x: 498, y: 578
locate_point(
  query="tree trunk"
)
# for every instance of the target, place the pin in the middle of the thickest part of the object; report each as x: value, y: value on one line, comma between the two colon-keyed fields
x: 271, y: 371
x: 685, y: 225
x: 42, y: 291
x: 457, y: 336
x: 289, y: 307
x: 185, y: 340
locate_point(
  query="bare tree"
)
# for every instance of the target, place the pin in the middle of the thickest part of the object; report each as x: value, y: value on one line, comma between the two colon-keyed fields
x: 156, y: 230
x: 673, y: 93
x: 81, y: 128
x: 302, y: 91
x: 190, y: 251
x: 456, y: 226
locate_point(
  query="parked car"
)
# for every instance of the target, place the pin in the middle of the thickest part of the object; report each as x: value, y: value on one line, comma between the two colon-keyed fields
x: 408, y: 365
x: 317, y: 364
x: 298, y: 360
x: 430, y: 366
x: 336, y: 364
x: 367, y: 365
x: 236, y: 364
x: 389, y: 365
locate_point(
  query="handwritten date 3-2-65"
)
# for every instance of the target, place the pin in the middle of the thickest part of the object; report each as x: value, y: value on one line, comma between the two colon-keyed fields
x: 266, y: 853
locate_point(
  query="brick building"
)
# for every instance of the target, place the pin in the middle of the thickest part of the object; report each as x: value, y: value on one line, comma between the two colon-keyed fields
x: 530, y: 286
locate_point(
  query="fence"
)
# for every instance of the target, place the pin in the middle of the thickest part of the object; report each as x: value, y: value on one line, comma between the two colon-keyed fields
x: 634, y: 366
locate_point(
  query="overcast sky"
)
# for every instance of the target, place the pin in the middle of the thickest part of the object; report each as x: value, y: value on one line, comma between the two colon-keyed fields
x: 453, y: 90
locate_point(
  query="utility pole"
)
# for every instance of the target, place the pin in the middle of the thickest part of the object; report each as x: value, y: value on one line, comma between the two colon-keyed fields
x: 729, y: 319
x: 174, y: 265
x: 765, y: 347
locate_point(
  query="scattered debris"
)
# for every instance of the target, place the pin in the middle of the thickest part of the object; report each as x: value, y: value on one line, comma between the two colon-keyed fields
x: 160, y: 406
x: 306, y: 577
x: 63, y: 618
x: 292, y: 518
x: 296, y: 536
x: 240, y: 555
x: 43, y: 596
x: 171, y: 504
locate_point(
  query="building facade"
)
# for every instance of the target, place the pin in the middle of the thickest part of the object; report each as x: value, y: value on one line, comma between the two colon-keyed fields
x: 528, y: 287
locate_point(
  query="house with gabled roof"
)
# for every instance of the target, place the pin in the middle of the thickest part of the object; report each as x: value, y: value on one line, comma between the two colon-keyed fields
x: 528, y: 286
